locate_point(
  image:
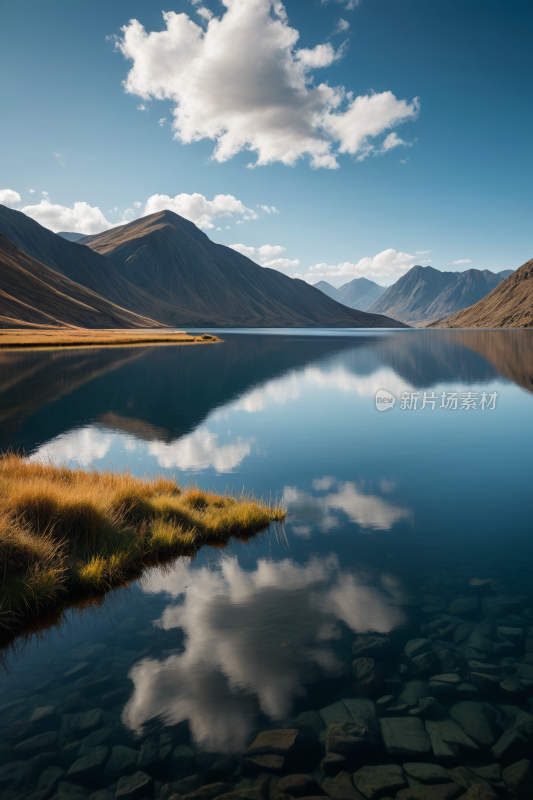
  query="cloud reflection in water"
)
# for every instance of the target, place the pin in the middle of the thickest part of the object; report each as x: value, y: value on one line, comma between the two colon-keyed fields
x: 253, y: 640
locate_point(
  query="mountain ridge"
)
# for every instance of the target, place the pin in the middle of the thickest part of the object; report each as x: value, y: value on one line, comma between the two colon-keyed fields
x: 425, y: 294
x: 359, y: 293
x: 35, y: 295
x: 509, y: 305
x: 180, y: 263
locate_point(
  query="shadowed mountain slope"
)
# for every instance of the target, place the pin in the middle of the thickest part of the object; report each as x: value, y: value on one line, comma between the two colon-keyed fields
x: 509, y: 305
x: 71, y: 237
x: 211, y: 284
x: 34, y: 294
x: 425, y: 294
x: 82, y: 265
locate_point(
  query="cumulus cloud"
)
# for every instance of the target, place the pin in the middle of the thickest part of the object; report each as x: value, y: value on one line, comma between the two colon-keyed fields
x: 83, y: 446
x: 243, y: 83
x: 253, y: 640
x: 387, y: 265
x: 393, y: 140
x: 81, y: 218
x: 137, y: 204
x: 341, y: 27
x: 198, y: 209
x: 201, y: 450
x: 267, y: 256
x: 369, y: 511
x: 10, y: 198
x: 463, y: 261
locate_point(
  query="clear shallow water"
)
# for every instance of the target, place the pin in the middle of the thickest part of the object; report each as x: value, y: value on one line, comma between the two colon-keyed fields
x: 205, y: 654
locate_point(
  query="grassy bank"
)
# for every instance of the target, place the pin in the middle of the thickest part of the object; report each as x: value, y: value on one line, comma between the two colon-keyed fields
x: 82, y: 337
x: 69, y: 531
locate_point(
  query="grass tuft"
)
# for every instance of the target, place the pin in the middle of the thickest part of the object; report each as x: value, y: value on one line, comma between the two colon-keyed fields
x: 86, y: 531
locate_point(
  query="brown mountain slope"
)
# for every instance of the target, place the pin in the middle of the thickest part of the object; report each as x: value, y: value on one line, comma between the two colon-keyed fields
x: 33, y: 294
x: 211, y: 284
x: 83, y: 266
x: 509, y: 305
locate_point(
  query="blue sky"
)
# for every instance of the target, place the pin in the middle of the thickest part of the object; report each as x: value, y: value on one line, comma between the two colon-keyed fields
x: 423, y: 108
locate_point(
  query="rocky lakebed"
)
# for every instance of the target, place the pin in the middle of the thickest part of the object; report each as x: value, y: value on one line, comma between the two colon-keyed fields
x: 436, y: 710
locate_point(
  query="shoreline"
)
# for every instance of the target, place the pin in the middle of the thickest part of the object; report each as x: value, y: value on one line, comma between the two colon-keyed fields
x: 17, y: 339
x: 72, y: 533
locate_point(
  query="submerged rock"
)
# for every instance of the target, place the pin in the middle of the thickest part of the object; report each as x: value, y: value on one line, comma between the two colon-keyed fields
x: 122, y: 761
x: 367, y: 674
x: 136, y: 787
x: 299, y: 786
x: 478, y: 720
x: 417, y: 647
x: 519, y: 777
x: 374, y: 782
x: 89, y: 768
x: 427, y: 773
x: 370, y: 645
x: 342, y: 788
x: 347, y: 739
x: 405, y: 736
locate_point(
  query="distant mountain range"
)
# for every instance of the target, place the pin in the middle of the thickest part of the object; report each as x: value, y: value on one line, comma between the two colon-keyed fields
x: 509, y: 305
x: 71, y: 237
x: 425, y: 294
x: 359, y: 293
x: 164, y: 269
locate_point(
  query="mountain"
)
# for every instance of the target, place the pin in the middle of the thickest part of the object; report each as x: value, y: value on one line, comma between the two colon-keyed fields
x: 328, y: 289
x: 509, y: 305
x: 210, y: 284
x: 425, y: 294
x: 71, y: 237
x: 359, y: 293
x: 33, y: 294
x: 82, y: 265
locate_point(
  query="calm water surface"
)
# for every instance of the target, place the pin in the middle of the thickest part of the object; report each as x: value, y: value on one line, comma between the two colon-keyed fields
x: 409, y: 524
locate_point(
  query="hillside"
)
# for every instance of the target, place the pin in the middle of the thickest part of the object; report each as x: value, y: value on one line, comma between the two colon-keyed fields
x: 425, y: 294
x: 82, y: 266
x: 211, y: 284
x: 359, y: 293
x: 71, y: 237
x: 33, y: 294
x: 509, y: 305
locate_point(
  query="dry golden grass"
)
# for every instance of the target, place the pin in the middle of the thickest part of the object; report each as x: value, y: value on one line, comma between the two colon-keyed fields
x: 82, y: 337
x: 64, y: 530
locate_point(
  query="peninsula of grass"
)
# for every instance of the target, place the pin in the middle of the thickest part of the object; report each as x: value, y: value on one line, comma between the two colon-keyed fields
x: 83, y: 337
x: 69, y: 531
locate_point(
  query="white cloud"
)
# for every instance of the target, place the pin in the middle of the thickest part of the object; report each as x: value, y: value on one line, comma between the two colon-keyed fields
x: 10, y: 198
x: 82, y: 446
x: 253, y: 639
x: 267, y: 256
x: 204, y: 13
x: 56, y: 155
x: 369, y: 511
x: 463, y: 261
x: 349, y: 5
x: 341, y: 27
x: 244, y: 84
x: 142, y: 107
x: 137, y: 204
x: 162, y: 121
x: 269, y: 209
x: 81, y: 218
x: 393, y: 140
x: 387, y: 265
x: 31, y: 191
x: 201, y: 450
x: 197, y: 209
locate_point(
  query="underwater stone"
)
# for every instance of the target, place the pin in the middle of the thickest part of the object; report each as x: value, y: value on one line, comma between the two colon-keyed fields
x: 347, y: 739
x: 337, y: 712
x: 342, y: 788
x: 299, y: 786
x: 405, y: 736
x: 136, y: 787
x: 463, y: 605
x: 427, y: 773
x: 123, y: 761
x: 519, y: 777
x: 90, y: 767
x: 477, y: 720
x: 416, y: 647
x: 370, y: 645
x: 510, y: 746
x: 37, y: 744
x: 373, y: 782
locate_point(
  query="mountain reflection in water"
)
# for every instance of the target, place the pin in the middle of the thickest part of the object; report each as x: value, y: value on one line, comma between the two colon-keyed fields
x: 253, y: 639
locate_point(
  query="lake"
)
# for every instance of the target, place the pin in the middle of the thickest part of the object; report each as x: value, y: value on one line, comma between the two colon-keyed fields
x: 395, y: 604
